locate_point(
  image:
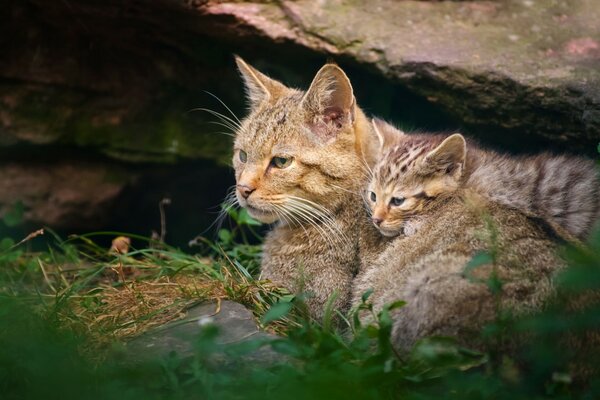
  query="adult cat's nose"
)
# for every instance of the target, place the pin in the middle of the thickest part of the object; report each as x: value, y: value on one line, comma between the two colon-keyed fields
x: 377, y: 221
x: 245, y: 190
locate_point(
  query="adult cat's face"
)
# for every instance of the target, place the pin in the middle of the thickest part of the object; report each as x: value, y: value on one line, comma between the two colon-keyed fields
x: 413, y: 172
x: 294, y: 154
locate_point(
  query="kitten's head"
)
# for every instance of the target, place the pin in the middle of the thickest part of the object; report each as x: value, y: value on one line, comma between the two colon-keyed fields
x: 412, y: 175
x: 296, y: 149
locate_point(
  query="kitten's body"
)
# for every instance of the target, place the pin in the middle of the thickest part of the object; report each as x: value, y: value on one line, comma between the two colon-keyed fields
x: 562, y: 190
x: 301, y: 160
x: 427, y: 270
x: 418, y: 192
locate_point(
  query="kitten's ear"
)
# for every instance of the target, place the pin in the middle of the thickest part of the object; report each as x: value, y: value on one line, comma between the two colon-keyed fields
x: 449, y: 157
x: 330, y: 101
x: 259, y: 87
x: 387, y: 134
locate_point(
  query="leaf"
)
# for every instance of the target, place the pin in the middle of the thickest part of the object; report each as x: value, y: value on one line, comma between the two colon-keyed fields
x: 247, y: 346
x: 494, y: 285
x: 395, y: 305
x: 6, y: 244
x: 437, y: 355
x: 366, y: 295
x: 372, y: 331
x: 277, y: 311
x: 224, y: 235
x: 287, y: 297
x: 245, y: 219
x: 479, y: 259
x: 286, y: 346
x: 14, y: 216
x: 328, y: 311
x: 231, y: 211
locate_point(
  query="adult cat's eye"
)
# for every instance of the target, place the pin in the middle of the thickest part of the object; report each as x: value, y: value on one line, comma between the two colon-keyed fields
x: 373, y: 196
x: 243, y: 156
x: 281, y: 162
x: 397, y: 201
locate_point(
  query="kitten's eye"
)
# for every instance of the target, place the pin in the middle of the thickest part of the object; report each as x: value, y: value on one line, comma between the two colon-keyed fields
x: 243, y: 156
x: 281, y: 162
x: 373, y: 196
x: 397, y: 201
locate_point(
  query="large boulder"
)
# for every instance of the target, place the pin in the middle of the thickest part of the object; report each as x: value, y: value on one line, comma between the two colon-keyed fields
x: 115, y: 82
x: 522, y: 67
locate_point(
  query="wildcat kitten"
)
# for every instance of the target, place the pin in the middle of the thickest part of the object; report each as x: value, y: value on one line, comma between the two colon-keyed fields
x: 300, y: 159
x: 418, y: 189
x: 562, y: 190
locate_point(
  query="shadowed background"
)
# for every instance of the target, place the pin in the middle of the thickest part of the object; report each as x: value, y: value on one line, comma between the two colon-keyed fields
x: 96, y: 97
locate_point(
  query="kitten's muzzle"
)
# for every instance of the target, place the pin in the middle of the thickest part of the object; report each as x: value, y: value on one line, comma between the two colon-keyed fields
x: 377, y: 221
x: 245, y: 191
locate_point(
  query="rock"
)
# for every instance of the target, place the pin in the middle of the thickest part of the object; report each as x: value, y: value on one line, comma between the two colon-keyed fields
x: 63, y: 194
x: 115, y: 82
x: 70, y: 194
x: 120, y: 79
x: 235, y: 324
x: 526, y: 68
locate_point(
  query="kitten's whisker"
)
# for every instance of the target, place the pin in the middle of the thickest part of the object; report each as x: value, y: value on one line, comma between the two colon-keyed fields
x: 365, y: 164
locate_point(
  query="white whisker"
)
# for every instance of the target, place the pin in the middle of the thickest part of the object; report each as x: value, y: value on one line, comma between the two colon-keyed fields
x: 313, y: 214
x: 223, y: 118
x: 224, y: 105
x: 292, y: 209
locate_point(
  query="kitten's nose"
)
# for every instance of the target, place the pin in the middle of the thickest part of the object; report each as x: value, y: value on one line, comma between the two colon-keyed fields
x: 377, y: 221
x: 245, y: 190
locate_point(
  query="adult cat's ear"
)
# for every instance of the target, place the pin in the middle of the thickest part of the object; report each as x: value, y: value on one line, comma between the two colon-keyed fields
x: 449, y: 157
x: 386, y: 133
x: 259, y: 87
x: 330, y: 101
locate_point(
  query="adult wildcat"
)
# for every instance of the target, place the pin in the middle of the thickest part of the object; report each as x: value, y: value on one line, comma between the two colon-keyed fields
x: 300, y: 161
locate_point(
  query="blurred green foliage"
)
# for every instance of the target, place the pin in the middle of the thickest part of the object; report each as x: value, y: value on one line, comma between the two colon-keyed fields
x: 42, y: 357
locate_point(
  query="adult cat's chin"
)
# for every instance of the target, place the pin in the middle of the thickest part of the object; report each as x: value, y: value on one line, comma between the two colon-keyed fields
x: 266, y: 217
x: 390, y: 232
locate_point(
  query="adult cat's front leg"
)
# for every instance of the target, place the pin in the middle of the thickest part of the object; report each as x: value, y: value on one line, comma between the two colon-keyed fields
x: 305, y: 262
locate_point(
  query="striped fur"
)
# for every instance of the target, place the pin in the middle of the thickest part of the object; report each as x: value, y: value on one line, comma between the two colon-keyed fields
x: 562, y: 190
x: 439, y: 224
x: 328, y: 144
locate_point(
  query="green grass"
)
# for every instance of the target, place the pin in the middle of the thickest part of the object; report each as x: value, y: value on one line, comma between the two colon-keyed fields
x: 66, y: 311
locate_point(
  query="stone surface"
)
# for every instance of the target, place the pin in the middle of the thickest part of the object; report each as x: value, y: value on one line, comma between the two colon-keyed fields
x: 114, y: 77
x: 525, y: 66
x: 235, y: 323
x: 64, y: 194
x: 111, y: 80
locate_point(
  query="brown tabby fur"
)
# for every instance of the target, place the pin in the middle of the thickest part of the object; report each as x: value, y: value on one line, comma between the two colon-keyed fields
x: 562, y: 190
x: 427, y: 269
x: 313, y: 246
x: 444, y: 224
